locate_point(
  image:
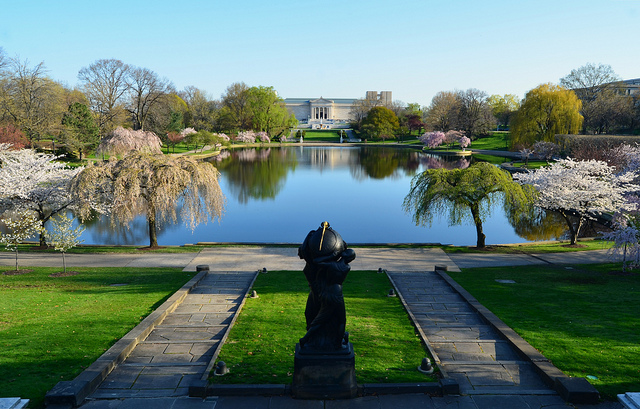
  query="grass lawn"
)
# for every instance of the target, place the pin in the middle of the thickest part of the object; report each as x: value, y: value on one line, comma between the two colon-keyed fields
x: 497, y: 141
x: 534, y: 248
x: 321, y: 136
x: 53, y: 328
x: 261, y: 346
x: 586, y: 320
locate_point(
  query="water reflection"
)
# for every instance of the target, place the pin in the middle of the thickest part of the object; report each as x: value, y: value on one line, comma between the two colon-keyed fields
x: 256, y: 173
x: 279, y: 194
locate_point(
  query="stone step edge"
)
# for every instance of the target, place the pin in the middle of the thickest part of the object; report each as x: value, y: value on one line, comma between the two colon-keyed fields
x: 204, y: 389
x: 75, y: 391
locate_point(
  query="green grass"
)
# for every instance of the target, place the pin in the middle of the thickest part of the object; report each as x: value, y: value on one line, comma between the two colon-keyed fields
x: 586, y: 320
x: 321, y: 136
x: 497, y: 141
x: 534, y: 248
x: 53, y: 328
x: 261, y: 346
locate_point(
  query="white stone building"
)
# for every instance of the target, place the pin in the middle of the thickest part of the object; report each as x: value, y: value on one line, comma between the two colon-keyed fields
x: 324, y: 113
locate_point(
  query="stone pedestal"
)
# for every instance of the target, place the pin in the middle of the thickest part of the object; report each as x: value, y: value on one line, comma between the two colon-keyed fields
x: 324, y: 376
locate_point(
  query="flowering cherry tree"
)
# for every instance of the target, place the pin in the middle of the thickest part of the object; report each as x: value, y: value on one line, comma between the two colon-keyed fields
x: 433, y: 139
x: 546, y: 150
x: 36, y: 182
x: 62, y: 236
x: 263, y: 137
x: 21, y: 225
x: 579, y: 188
x: 464, y: 142
x: 246, y: 137
x: 453, y: 137
x: 121, y: 140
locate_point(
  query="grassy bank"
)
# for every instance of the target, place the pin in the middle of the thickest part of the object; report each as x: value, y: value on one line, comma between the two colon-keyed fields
x: 261, y: 346
x: 585, y: 319
x: 51, y: 328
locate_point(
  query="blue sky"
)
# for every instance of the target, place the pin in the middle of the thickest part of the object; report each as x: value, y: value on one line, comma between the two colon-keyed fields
x: 331, y: 48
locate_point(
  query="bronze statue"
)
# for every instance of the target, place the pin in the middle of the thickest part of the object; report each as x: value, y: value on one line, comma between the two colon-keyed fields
x: 327, y: 259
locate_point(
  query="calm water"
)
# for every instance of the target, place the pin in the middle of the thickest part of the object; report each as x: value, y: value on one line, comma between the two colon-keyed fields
x: 279, y: 194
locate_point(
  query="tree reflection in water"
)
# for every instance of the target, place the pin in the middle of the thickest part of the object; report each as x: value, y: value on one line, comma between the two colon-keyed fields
x: 256, y: 173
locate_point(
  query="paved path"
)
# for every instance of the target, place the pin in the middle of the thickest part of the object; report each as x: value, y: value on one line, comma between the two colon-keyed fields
x: 179, y: 350
x: 468, y: 349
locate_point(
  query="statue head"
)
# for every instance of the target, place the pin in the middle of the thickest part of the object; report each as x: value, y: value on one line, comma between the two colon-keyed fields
x: 323, y: 244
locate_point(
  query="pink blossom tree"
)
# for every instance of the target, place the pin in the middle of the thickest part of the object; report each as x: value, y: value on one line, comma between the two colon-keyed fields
x: 432, y: 139
x: 246, y: 137
x: 464, y: 142
x: 121, y: 141
x: 453, y: 137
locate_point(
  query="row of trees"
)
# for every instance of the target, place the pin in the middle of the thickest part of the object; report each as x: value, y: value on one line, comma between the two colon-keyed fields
x: 112, y: 94
x: 577, y: 190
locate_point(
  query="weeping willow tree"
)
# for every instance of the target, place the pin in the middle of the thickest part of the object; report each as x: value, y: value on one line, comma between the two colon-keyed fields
x: 465, y: 194
x: 153, y: 185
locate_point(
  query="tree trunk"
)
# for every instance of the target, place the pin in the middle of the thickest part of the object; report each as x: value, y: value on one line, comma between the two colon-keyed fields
x: 16, y: 257
x: 153, y: 232
x: 475, y: 212
x: 573, y: 233
x: 64, y: 264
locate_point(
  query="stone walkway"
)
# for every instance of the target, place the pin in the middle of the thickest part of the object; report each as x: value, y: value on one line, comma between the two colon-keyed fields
x: 465, y: 347
x: 178, y: 351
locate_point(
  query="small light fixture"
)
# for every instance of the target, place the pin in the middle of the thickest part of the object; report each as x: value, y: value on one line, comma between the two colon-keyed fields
x: 221, y: 369
x: 254, y: 294
x: 392, y: 293
x: 425, y: 366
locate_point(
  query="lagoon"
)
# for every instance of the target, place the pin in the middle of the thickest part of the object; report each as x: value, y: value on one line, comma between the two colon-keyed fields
x: 277, y: 195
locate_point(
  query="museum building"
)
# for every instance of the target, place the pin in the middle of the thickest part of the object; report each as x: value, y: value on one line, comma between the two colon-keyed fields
x: 325, y: 113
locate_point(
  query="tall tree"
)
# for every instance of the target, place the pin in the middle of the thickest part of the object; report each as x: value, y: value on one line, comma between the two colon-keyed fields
x: 546, y: 111
x: 146, y: 92
x: 235, y: 114
x: 105, y: 84
x: 474, y: 114
x: 503, y: 107
x: 584, y: 189
x: 442, y: 114
x: 465, y: 194
x: 268, y: 112
x: 153, y: 185
x: 603, y: 105
x: 30, y: 100
x: 202, y: 111
x: 80, y: 130
x: 380, y: 123
x: 359, y: 110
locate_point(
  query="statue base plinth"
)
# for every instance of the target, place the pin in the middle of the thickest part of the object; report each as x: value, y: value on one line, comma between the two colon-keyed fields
x: 326, y: 375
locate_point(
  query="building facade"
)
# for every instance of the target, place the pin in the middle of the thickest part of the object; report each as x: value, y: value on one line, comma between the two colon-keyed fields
x: 324, y: 113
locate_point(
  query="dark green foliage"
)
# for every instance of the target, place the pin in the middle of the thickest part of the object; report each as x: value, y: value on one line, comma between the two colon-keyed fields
x: 81, y: 132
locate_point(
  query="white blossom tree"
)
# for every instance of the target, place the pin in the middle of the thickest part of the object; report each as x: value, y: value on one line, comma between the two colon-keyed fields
x: 62, y: 236
x: 583, y: 189
x: 21, y: 225
x: 36, y: 182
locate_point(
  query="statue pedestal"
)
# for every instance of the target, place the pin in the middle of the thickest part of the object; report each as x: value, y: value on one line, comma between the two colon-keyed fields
x: 324, y: 375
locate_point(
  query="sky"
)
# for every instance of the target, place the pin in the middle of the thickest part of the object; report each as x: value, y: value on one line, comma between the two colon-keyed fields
x: 331, y: 48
